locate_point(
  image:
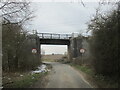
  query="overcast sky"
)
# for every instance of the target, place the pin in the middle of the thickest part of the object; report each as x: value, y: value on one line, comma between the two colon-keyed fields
x: 62, y: 17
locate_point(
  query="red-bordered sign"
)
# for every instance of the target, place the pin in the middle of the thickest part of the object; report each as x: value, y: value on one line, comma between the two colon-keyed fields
x: 82, y: 50
x: 34, y: 50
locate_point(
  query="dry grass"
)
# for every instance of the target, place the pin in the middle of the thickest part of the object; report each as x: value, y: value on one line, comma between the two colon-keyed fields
x: 97, y: 80
x: 22, y: 79
x: 52, y: 58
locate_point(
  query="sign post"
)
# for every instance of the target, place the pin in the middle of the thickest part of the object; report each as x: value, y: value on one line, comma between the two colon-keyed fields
x: 82, y: 51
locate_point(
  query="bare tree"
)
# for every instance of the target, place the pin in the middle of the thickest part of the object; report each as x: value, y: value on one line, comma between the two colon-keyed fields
x: 16, y: 46
x: 15, y: 12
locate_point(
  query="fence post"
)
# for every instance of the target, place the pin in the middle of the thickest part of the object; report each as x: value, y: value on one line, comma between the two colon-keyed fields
x: 51, y: 36
x: 59, y: 36
x: 66, y: 36
x: 42, y: 35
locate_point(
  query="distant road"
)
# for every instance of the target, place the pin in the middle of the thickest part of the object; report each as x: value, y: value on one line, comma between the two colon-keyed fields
x: 64, y: 76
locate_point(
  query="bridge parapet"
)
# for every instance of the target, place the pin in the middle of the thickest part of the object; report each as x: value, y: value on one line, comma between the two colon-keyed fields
x: 54, y: 36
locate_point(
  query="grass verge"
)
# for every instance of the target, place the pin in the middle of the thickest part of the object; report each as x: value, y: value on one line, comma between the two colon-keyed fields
x: 48, y: 60
x: 98, y: 79
x: 24, y: 81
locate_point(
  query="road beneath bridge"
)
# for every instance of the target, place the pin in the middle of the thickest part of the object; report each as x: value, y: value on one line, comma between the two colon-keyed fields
x: 64, y: 76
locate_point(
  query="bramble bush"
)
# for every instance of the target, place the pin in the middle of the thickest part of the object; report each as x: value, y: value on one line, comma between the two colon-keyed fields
x: 104, y: 43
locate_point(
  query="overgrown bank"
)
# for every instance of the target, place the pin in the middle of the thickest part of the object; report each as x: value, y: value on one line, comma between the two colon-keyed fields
x: 103, y: 62
x: 26, y: 79
x: 96, y: 80
x: 21, y: 80
x: 104, y: 46
x: 17, y: 43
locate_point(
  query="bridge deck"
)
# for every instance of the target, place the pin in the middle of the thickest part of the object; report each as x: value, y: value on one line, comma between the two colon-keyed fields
x: 54, y: 39
x: 54, y: 36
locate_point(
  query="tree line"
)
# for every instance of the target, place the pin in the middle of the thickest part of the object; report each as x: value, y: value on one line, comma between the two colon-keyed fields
x: 17, y: 43
x: 104, y: 43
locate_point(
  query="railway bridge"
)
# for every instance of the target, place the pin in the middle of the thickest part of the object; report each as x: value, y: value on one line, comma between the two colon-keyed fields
x: 72, y: 43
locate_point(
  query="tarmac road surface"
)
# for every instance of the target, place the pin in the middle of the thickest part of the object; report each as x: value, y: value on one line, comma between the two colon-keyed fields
x: 64, y: 76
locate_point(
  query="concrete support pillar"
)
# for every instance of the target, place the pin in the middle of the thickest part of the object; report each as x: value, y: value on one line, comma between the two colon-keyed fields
x: 38, y: 47
x: 69, y: 53
x: 37, y: 44
x: 74, y: 48
x: 75, y: 54
x: 40, y: 51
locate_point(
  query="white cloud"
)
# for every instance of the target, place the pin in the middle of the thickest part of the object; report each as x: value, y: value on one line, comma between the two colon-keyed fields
x: 62, y: 18
x: 71, y: 0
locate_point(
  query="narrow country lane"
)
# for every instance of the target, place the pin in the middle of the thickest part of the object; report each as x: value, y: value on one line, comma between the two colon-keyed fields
x: 64, y: 76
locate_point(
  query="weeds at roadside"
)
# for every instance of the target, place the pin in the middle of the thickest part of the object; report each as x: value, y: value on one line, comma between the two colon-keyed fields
x: 25, y: 81
x: 101, y: 81
x: 22, y: 80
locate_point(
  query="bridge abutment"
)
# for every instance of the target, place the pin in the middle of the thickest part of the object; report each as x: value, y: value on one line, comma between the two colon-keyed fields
x: 74, y: 48
x: 73, y: 44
